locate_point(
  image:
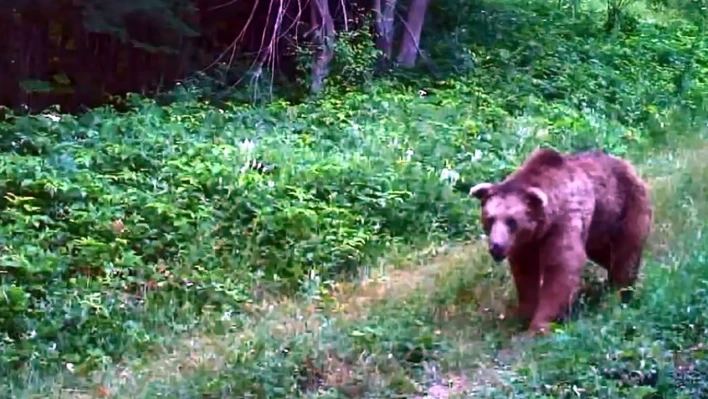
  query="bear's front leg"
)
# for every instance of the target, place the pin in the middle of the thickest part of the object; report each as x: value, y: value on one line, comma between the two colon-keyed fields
x: 562, y: 259
x: 527, y: 279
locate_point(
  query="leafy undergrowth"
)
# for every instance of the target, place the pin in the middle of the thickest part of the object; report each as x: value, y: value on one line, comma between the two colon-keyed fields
x: 121, y: 234
x: 437, y: 328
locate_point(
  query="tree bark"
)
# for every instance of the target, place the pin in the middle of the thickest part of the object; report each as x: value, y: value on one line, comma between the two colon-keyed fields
x: 30, y: 42
x: 323, y: 39
x: 384, y: 26
x: 411, y: 35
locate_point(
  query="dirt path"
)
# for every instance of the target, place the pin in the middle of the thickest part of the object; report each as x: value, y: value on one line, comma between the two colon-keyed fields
x: 283, y: 318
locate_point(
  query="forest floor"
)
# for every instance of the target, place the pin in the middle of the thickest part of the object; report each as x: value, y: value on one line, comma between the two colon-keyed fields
x: 441, y: 292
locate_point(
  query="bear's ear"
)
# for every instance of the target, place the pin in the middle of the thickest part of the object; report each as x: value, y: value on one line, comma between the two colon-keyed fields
x: 536, y: 198
x: 481, y: 191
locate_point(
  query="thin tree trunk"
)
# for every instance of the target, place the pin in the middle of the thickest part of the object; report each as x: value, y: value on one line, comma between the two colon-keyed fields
x: 267, y: 51
x: 384, y: 26
x: 324, y: 41
x: 30, y: 58
x: 411, y: 35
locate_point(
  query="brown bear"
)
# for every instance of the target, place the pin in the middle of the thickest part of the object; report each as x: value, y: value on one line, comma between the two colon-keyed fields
x: 553, y: 214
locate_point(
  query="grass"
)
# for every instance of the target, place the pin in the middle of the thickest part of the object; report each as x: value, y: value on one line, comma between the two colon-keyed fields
x: 438, y: 325
x: 142, y: 259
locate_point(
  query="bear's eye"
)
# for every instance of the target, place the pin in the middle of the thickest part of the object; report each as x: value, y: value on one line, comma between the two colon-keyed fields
x: 488, y: 223
x: 511, y: 223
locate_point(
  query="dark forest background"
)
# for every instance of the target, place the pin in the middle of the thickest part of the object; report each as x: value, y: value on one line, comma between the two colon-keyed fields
x: 80, y: 53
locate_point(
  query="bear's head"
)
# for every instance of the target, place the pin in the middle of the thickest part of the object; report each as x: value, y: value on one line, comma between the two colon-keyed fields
x: 511, y: 214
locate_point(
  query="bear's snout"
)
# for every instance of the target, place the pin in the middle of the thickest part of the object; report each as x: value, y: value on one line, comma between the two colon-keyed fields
x: 497, y: 251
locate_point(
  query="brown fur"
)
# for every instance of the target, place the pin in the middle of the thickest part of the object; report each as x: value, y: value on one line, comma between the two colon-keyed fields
x: 556, y: 212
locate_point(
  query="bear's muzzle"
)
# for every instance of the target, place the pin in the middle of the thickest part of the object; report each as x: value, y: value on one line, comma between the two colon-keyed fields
x: 497, y: 251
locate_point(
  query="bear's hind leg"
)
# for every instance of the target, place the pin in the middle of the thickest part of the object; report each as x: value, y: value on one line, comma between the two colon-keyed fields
x: 629, y: 240
x: 626, y: 252
x: 624, y: 268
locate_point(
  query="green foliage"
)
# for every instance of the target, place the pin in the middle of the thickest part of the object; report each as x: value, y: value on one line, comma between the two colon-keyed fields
x: 573, y: 63
x: 355, y: 57
x: 354, y: 62
x: 118, y: 230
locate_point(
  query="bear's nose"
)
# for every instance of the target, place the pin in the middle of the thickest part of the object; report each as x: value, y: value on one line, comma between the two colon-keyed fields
x: 497, y: 251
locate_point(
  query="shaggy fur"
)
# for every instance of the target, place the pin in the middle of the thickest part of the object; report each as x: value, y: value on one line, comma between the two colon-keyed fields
x: 556, y: 212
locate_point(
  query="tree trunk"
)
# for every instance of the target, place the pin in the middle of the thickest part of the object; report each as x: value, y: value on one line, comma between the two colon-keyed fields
x: 384, y: 26
x: 323, y: 39
x: 29, y: 59
x: 411, y: 35
x: 267, y: 52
